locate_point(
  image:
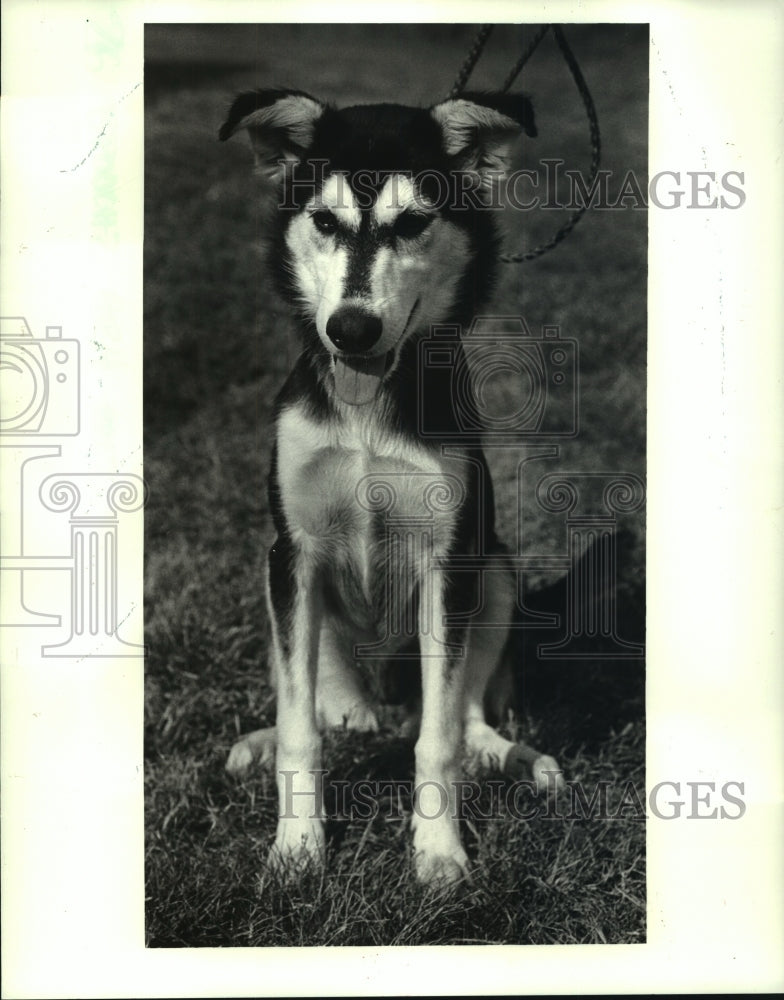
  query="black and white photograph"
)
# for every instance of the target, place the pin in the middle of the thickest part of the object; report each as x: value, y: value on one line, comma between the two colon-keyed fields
x: 394, y: 412
x: 391, y: 535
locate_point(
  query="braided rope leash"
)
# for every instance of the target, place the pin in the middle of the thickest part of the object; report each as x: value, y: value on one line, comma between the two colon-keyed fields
x: 471, y: 60
x: 596, y: 153
x: 590, y: 109
x: 518, y: 66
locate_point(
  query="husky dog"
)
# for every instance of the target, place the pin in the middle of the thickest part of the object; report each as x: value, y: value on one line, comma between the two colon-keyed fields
x: 381, y: 231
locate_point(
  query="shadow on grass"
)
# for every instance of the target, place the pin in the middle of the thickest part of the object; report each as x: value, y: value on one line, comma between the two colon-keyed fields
x: 585, y: 699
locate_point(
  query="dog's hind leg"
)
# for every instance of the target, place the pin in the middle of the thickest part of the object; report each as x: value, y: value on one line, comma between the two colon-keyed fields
x: 254, y: 749
x: 340, y: 702
x: 487, y: 749
x: 340, y: 698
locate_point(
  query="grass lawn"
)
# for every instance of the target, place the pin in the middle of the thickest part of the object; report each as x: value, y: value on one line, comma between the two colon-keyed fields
x: 217, y: 347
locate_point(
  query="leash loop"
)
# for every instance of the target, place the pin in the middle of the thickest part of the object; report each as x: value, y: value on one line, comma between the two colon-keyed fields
x: 596, y: 153
x: 590, y: 109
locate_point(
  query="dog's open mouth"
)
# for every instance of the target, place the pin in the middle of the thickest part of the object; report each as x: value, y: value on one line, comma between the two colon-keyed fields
x: 357, y: 378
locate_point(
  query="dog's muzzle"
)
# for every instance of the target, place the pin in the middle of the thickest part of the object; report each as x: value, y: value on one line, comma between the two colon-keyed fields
x: 359, y: 375
x: 354, y: 332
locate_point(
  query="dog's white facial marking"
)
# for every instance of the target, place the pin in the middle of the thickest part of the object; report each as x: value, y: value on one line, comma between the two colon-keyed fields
x: 319, y: 261
x: 442, y: 272
x: 398, y: 195
x: 337, y: 198
x: 320, y: 266
x: 414, y: 282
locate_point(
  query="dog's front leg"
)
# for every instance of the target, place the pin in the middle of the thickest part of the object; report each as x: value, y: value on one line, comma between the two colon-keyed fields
x: 438, y: 852
x: 295, y: 612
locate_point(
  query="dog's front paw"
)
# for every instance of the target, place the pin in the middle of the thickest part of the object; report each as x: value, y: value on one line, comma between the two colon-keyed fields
x: 440, y: 870
x: 254, y: 749
x: 439, y: 858
x: 299, y: 847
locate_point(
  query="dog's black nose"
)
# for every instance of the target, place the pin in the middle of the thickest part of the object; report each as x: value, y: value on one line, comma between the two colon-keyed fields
x: 353, y: 330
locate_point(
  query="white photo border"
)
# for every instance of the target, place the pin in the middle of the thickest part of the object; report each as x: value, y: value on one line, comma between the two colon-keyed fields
x: 72, y: 728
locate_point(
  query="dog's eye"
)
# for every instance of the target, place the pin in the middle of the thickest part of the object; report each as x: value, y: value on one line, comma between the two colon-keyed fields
x: 325, y: 222
x: 411, y: 224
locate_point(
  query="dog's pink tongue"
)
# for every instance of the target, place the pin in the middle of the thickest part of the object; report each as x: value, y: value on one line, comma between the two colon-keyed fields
x: 357, y: 379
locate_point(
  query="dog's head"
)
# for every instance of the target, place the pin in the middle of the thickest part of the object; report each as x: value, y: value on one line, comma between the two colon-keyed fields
x: 383, y: 223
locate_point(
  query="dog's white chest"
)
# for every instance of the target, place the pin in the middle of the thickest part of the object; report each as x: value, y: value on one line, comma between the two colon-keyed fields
x: 350, y: 491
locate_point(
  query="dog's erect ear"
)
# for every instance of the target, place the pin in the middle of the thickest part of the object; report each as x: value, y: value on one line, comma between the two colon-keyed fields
x: 280, y: 125
x: 480, y: 129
